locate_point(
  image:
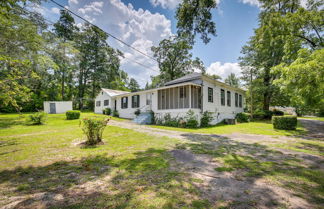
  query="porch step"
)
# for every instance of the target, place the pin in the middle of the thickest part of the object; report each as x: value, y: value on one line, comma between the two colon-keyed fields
x: 143, y: 118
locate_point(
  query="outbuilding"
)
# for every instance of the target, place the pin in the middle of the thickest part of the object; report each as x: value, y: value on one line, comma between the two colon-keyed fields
x: 54, y: 107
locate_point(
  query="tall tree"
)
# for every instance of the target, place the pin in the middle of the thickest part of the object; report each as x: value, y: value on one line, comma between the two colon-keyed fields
x: 174, y: 58
x: 194, y: 16
x: 232, y: 80
x: 133, y: 85
x: 65, y: 29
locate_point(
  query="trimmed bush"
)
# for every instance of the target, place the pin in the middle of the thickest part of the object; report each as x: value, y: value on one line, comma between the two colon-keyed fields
x: 115, y: 113
x: 37, y: 118
x: 278, y: 112
x: 107, y: 111
x: 93, y: 129
x: 243, y: 117
x: 191, y: 118
x: 284, y: 122
x: 205, y: 119
x: 72, y: 114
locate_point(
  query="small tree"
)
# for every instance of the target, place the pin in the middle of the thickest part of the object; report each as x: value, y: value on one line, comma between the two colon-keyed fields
x: 93, y: 129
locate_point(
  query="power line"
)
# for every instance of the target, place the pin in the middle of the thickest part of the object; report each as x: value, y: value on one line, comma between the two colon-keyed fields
x: 114, y: 37
x: 141, y: 64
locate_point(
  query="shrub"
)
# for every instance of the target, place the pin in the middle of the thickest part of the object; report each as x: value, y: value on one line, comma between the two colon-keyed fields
x: 107, y: 111
x: 277, y: 112
x: 37, y: 118
x: 152, y: 117
x: 137, y: 112
x: 169, y: 121
x: 243, y: 117
x: 284, y: 122
x: 191, y: 119
x: 115, y: 113
x: 206, y: 119
x: 93, y: 129
x: 72, y: 114
x: 261, y: 114
x: 268, y: 114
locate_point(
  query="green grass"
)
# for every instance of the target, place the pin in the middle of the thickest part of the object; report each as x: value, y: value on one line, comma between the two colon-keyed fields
x: 47, y: 158
x: 313, y: 118
x: 135, y: 170
x: 258, y: 127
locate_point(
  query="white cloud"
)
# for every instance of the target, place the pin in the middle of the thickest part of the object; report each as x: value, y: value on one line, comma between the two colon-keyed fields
x: 139, y: 28
x: 251, y: 2
x: 73, y: 1
x: 55, y: 10
x: 94, y: 8
x: 225, y: 69
x: 165, y: 4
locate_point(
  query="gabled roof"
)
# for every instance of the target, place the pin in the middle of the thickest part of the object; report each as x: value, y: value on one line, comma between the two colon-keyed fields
x: 112, y: 92
x: 189, y: 77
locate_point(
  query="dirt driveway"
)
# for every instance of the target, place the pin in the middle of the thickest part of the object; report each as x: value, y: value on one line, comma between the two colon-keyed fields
x: 245, y: 170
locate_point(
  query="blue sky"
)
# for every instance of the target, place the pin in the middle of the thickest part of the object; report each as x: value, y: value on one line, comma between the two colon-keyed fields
x: 143, y: 23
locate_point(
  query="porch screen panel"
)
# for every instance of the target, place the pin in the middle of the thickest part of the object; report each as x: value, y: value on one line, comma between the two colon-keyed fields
x: 186, y: 98
x: 171, y: 98
x: 199, y: 97
x: 176, y: 97
x: 167, y: 99
x: 163, y: 99
x: 181, y: 97
x: 159, y: 99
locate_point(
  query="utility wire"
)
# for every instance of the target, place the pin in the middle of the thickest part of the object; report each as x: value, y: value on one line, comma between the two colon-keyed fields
x: 114, y: 37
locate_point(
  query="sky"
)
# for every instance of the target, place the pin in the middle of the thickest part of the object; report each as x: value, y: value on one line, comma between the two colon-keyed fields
x: 144, y: 23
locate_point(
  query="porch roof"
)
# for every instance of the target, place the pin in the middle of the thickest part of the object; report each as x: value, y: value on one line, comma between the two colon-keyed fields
x: 160, y: 88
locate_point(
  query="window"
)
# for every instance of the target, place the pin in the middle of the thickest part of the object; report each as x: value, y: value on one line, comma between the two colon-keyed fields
x: 106, y: 102
x: 135, y: 101
x: 210, y: 94
x: 124, y: 102
x: 228, y: 98
x: 98, y: 103
x: 240, y: 100
x: 236, y: 99
x: 222, y: 97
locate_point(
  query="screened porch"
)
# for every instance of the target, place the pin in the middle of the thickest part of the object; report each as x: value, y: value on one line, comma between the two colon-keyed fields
x: 181, y: 97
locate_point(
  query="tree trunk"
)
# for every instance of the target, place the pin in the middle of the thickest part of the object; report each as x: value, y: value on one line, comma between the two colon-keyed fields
x: 267, y: 93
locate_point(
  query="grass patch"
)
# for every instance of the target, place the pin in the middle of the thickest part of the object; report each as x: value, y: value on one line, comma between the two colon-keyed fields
x: 313, y: 118
x: 256, y: 127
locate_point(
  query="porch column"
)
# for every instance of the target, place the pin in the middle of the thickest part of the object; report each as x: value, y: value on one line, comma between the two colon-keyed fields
x: 189, y: 96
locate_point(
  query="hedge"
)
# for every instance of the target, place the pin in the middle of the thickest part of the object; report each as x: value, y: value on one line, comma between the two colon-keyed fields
x: 72, y: 114
x: 107, y: 111
x: 243, y: 117
x: 284, y: 122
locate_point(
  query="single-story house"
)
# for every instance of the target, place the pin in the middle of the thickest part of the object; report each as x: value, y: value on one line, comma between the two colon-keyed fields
x: 196, y: 92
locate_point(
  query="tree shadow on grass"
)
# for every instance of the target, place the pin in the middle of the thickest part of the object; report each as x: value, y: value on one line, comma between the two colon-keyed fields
x: 11, y: 121
x: 144, y: 181
x: 250, y: 162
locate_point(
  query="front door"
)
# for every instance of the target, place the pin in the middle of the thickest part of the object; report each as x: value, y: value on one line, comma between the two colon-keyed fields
x: 52, y: 108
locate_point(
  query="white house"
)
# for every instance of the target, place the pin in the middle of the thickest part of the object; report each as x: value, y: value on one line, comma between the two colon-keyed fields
x: 195, y: 92
x: 54, y: 107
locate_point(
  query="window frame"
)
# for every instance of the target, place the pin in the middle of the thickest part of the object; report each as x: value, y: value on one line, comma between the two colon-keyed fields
x: 106, y: 102
x: 228, y: 99
x: 210, y: 94
x: 236, y: 100
x: 98, y: 103
x: 240, y: 101
x: 137, y: 102
x: 124, y: 105
x: 223, y: 97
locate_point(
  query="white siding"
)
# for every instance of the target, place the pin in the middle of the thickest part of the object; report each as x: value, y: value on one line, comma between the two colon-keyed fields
x: 60, y: 106
x: 220, y: 112
x: 129, y: 111
x: 101, y: 97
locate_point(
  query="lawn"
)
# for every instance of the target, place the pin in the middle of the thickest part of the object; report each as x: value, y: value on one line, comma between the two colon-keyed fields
x: 257, y: 127
x: 313, y: 118
x: 45, y: 167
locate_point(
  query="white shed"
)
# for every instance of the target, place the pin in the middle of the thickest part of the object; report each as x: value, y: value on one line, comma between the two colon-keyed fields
x: 53, y: 107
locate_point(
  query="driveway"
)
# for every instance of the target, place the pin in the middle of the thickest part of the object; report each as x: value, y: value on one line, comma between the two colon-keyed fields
x: 245, y: 170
